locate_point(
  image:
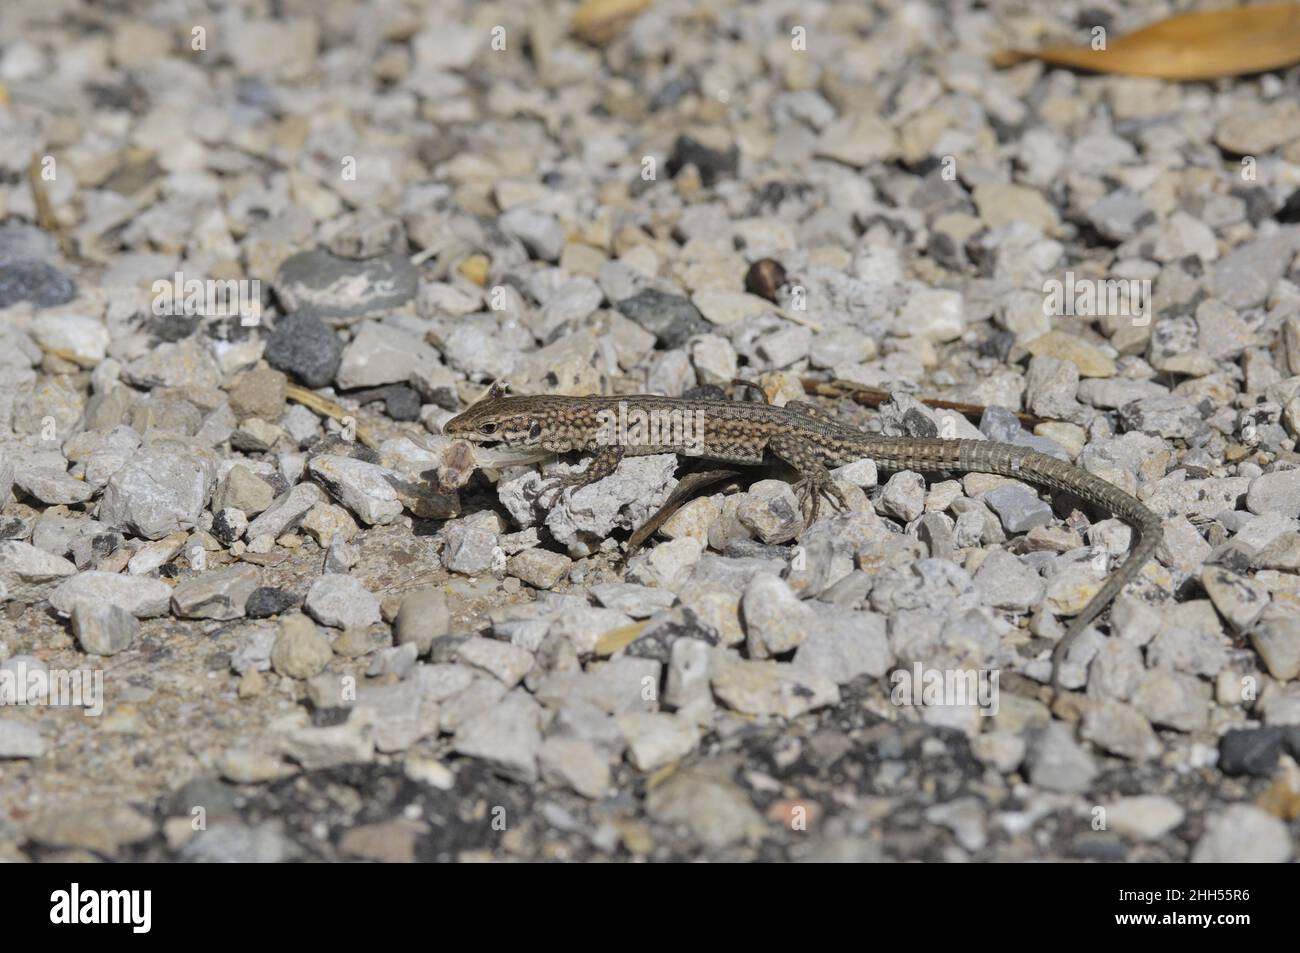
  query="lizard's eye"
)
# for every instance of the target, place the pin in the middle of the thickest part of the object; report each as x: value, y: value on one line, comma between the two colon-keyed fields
x: 488, y: 428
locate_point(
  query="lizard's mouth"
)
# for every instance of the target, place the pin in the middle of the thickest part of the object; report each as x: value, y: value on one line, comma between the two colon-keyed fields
x: 475, y: 437
x: 497, y: 454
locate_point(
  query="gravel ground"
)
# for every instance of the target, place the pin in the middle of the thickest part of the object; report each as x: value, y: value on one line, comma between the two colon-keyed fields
x: 252, y: 259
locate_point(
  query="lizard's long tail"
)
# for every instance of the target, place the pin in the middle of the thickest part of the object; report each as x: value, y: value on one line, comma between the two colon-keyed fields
x: 1004, y: 459
x: 1147, y: 532
x: 1048, y: 471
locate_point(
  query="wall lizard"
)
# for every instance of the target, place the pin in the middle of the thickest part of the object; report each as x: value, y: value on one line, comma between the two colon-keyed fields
x: 801, y: 435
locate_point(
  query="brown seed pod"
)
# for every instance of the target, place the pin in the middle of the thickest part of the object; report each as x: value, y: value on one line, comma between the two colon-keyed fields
x: 765, y: 278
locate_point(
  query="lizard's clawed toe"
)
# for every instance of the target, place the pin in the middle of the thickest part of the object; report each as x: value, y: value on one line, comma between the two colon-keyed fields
x: 552, y: 489
x: 811, y: 490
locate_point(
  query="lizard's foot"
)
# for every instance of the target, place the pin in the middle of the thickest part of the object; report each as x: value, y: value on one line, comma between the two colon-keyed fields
x: 556, y: 485
x: 602, y: 465
x: 810, y: 491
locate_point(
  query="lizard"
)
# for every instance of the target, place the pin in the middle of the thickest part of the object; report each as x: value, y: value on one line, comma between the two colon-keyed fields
x: 802, y: 435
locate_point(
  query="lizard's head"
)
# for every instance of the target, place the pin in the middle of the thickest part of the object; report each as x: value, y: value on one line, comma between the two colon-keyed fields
x: 497, y: 419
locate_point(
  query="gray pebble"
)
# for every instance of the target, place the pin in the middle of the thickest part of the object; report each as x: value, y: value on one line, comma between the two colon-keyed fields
x: 421, y: 618
x: 1055, y: 761
x: 341, y: 602
x: 1019, y: 509
x: 103, y: 629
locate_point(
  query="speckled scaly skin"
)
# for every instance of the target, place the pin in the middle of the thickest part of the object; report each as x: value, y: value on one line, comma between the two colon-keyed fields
x: 806, y: 438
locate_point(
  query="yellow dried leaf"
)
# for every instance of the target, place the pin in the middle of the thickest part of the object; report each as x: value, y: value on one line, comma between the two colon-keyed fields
x: 599, y: 21
x: 620, y: 638
x: 1192, y: 46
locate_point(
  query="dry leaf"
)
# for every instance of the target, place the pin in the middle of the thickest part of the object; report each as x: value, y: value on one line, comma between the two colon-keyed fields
x: 1189, y: 47
x: 313, y: 401
x: 599, y: 21
x: 617, y: 639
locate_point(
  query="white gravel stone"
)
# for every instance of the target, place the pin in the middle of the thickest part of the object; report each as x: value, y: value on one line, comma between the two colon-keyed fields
x: 77, y: 334
x: 364, y: 488
x: 505, y: 661
x: 1145, y: 817
x: 507, y: 735
x: 574, y: 763
x: 1057, y: 762
x: 421, y: 618
x: 286, y: 512
x: 1242, y: 833
x: 341, y: 602
x: 102, y: 628
x: 775, y: 620
x: 655, y: 739
x: 28, y: 574
x: 18, y: 740
x: 138, y: 595
x: 216, y: 594
x: 156, y: 493
x: 771, y: 688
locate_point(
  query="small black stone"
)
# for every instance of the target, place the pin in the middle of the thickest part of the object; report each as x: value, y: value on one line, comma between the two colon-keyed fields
x: 1252, y: 751
x: 1289, y: 213
x: 1291, y: 740
x: 223, y: 530
x: 1101, y: 847
x: 103, y: 545
x: 266, y: 601
x: 944, y: 250
x: 39, y: 282
x: 672, y: 91
x: 712, y: 163
x: 997, y: 345
x: 329, y: 717
x: 402, y: 403
x: 304, y: 346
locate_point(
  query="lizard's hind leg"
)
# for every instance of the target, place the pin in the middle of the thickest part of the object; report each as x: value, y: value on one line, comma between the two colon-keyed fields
x: 605, y: 462
x: 815, y: 480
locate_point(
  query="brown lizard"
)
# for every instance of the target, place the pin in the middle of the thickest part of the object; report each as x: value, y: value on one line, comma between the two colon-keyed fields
x: 799, y: 434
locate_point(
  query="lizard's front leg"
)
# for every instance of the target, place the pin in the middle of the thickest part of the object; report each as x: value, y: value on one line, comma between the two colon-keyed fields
x: 816, y: 479
x: 605, y: 462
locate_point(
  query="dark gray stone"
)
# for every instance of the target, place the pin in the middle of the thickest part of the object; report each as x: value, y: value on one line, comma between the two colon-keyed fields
x: 302, y: 345
x: 672, y: 319
x: 1253, y: 751
x: 39, y: 282
x: 267, y: 601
